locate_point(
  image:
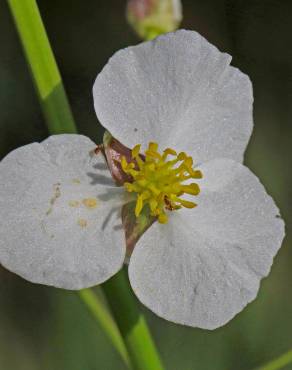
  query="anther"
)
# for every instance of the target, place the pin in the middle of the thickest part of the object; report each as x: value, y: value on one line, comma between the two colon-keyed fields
x: 158, y: 182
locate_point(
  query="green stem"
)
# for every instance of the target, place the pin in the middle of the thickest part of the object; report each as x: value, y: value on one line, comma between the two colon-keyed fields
x: 132, y: 324
x: 105, y: 320
x: 278, y: 363
x: 44, y: 69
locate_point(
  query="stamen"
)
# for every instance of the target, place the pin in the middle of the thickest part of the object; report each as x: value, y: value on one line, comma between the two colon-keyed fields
x: 170, y: 151
x: 139, y: 205
x: 136, y: 150
x: 153, y: 146
x: 158, y: 182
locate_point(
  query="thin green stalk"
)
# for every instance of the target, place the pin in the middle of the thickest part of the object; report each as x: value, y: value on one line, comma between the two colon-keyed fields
x: 98, y: 310
x: 44, y: 69
x: 132, y: 324
x: 278, y: 363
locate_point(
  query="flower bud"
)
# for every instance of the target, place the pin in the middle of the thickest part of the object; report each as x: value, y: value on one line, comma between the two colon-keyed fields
x: 151, y: 18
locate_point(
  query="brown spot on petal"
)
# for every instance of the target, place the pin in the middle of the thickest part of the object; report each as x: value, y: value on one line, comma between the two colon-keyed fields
x: 56, y: 195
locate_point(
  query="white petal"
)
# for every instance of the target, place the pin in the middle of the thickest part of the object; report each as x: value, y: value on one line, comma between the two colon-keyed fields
x: 205, y: 265
x: 180, y: 91
x: 52, y: 232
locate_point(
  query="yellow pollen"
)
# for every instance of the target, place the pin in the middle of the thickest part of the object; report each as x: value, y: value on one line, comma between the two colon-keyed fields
x: 90, y: 202
x: 159, y: 182
x: 82, y: 222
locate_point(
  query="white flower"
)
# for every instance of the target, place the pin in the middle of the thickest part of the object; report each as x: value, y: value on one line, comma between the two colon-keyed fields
x: 60, y: 210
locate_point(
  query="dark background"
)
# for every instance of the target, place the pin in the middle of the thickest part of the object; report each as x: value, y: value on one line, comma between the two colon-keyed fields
x: 46, y: 328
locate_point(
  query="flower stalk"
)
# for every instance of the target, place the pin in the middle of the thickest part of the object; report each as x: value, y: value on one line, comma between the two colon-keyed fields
x: 102, y: 315
x: 131, y: 323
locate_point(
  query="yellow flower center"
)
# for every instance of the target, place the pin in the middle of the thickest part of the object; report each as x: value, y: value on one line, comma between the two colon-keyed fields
x: 159, y: 182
